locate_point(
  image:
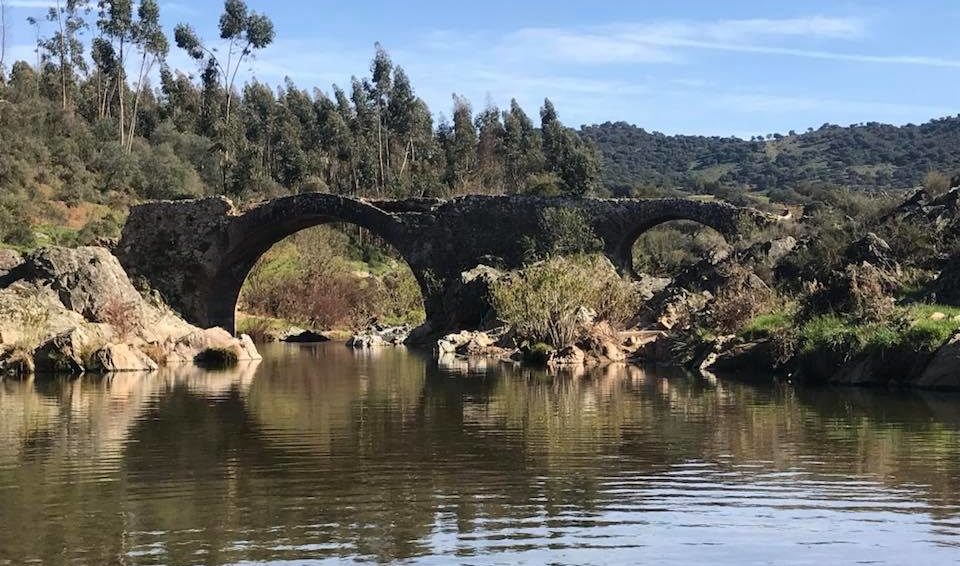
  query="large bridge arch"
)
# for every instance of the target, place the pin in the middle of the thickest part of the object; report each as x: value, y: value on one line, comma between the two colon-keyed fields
x: 254, y: 232
x: 199, y: 253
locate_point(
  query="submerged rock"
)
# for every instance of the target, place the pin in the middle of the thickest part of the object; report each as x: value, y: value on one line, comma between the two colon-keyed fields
x: 301, y: 336
x: 378, y: 336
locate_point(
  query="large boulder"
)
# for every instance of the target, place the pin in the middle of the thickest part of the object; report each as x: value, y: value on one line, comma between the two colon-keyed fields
x: 88, y: 280
x: 120, y: 357
x: 874, y: 250
x: 64, y: 353
x: 943, y: 371
x: 768, y: 253
x: 470, y: 299
x: 946, y: 288
x: 73, y: 310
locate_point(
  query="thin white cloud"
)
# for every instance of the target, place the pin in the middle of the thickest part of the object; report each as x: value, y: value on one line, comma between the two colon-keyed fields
x: 31, y: 4
x: 665, y: 42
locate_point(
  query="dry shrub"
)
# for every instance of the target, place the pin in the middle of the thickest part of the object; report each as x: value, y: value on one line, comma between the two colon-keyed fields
x: 864, y: 292
x: 321, y: 300
x: 155, y: 352
x: 740, y: 300
x: 123, y: 316
x: 542, y: 302
x: 936, y: 183
x: 259, y: 329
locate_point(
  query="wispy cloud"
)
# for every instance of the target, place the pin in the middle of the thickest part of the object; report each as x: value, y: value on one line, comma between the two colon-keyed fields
x: 31, y: 4
x: 665, y: 42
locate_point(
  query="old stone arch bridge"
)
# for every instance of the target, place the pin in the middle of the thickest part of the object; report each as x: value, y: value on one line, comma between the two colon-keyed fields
x: 197, y: 253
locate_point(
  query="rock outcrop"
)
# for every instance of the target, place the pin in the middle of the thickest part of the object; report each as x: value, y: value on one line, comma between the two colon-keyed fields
x: 71, y: 310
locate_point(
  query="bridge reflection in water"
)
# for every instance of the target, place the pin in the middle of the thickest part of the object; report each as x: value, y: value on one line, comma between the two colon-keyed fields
x: 319, y: 451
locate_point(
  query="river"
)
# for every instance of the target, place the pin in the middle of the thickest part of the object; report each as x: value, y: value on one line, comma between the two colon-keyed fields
x: 320, y: 454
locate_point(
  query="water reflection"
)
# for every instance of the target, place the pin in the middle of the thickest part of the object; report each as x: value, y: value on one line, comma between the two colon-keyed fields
x: 320, y: 452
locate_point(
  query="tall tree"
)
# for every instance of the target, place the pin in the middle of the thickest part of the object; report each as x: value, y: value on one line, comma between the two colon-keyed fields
x: 401, y: 116
x: 116, y: 24
x: 244, y: 32
x: 380, y: 71
x: 105, y: 63
x: 64, y: 46
x: 149, y: 40
x: 523, y: 154
x: 3, y: 40
x: 576, y: 163
x: 490, y: 138
x: 462, y: 154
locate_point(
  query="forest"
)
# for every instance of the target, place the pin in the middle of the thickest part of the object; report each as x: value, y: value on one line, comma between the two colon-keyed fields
x: 867, y: 157
x: 101, y: 121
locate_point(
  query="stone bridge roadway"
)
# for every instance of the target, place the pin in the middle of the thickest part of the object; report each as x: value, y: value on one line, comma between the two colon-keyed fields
x: 197, y: 253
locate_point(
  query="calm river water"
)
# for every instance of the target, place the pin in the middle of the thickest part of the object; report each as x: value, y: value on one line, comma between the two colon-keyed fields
x: 320, y: 454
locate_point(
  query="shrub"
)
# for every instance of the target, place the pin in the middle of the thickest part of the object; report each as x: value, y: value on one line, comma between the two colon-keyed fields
x: 542, y: 302
x: 537, y: 353
x: 743, y: 297
x: 669, y: 247
x: 564, y: 231
x: 122, y: 315
x: 936, y: 183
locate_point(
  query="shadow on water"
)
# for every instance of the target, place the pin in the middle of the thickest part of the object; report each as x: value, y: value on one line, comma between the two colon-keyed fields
x: 321, y: 451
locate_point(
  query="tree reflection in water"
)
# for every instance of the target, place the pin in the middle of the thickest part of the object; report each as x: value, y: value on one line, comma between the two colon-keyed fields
x: 321, y: 451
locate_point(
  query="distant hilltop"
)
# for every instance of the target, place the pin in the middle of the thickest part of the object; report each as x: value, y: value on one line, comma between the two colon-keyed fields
x: 863, y: 156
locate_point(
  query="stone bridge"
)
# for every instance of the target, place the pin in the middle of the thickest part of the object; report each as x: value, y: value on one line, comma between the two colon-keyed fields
x: 197, y: 253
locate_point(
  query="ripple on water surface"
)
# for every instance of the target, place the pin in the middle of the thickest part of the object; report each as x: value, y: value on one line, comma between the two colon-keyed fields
x: 320, y: 454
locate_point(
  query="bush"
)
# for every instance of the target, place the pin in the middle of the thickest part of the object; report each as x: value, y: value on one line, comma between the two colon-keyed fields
x: 936, y: 183
x: 543, y: 301
x: 122, y: 315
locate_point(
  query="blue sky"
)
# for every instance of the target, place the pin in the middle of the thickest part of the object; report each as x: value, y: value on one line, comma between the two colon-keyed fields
x: 697, y: 67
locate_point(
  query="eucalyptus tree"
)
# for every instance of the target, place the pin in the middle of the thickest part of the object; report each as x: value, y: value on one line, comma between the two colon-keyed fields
x: 3, y: 40
x: 117, y: 28
x: 380, y: 70
x: 522, y: 149
x: 490, y: 148
x: 64, y: 46
x: 463, y: 145
x: 243, y: 30
x: 151, y: 43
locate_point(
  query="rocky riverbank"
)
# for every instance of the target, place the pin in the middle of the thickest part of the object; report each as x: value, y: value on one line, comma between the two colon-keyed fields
x: 74, y: 310
x: 861, y: 313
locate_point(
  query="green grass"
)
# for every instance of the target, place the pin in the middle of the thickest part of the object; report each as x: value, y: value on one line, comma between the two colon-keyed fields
x: 911, y: 329
x: 764, y: 325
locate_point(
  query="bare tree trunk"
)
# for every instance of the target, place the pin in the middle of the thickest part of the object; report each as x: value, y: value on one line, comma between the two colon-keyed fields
x: 407, y: 148
x: 3, y: 37
x: 63, y: 58
x: 120, y: 85
x: 144, y: 71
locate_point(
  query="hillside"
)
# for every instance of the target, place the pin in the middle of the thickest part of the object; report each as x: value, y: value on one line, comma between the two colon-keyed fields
x: 864, y: 156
